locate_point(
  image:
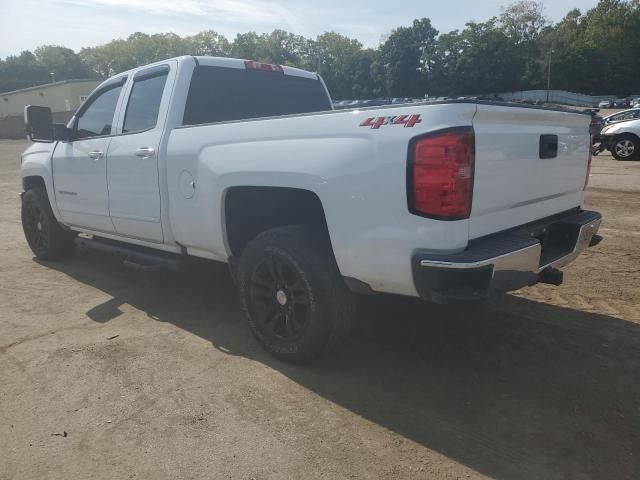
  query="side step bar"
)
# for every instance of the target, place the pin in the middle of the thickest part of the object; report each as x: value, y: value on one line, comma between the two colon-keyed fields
x: 133, y: 256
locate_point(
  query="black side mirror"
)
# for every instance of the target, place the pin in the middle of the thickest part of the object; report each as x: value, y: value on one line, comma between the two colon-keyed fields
x: 40, y: 127
x: 38, y: 123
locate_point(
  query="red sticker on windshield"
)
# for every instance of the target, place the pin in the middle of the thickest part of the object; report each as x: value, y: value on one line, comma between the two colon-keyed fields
x: 406, y: 120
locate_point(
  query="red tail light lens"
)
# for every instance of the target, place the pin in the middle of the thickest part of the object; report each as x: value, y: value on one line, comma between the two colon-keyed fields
x: 441, y: 174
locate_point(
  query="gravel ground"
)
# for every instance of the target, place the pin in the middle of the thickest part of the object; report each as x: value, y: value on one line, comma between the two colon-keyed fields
x: 107, y: 373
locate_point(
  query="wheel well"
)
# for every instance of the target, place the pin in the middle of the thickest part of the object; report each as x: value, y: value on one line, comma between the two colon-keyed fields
x: 626, y: 134
x: 250, y: 211
x: 29, y: 183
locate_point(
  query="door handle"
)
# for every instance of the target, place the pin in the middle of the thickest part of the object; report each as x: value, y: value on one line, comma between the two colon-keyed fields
x: 145, y: 152
x: 96, y: 154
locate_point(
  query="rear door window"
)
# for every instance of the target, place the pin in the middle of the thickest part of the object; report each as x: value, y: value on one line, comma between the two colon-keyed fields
x: 218, y: 94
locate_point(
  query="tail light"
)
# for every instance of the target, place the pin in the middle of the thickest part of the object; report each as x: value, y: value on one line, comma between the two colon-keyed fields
x: 586, y: 180
x: 440, y: 174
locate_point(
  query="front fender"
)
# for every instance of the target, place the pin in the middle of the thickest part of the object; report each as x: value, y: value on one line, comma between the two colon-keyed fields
x: 36, y: 162
x: 616, y: 129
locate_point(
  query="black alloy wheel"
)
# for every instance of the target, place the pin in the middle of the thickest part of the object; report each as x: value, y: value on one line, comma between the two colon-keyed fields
x: 36, y: 227
x: 296, y: 302
x: 280, y: 300
x: 46, y: 237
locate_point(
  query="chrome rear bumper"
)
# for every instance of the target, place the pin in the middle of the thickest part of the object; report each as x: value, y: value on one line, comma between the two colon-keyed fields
x: 505, y: 261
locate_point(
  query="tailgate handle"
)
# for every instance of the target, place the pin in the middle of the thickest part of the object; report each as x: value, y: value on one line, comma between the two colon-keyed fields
x: 548, y: 146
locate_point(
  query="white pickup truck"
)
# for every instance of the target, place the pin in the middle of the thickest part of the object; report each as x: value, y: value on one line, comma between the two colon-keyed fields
x: 246, y: 163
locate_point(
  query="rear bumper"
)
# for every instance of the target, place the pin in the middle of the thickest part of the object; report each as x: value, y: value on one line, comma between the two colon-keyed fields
x: 506, y: 260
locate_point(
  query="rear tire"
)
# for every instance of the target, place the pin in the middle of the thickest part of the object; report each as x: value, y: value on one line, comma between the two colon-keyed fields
x: 45, y: 236
x: 293, y: 295
x: 625, y: 147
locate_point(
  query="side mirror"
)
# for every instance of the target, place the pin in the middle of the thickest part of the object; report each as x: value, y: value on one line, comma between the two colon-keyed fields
x: 38, y: 123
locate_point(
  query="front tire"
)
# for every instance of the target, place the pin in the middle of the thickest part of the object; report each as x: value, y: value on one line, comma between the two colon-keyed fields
x: 292, y: 294
x: 625, y: 147
x: 47, y: 239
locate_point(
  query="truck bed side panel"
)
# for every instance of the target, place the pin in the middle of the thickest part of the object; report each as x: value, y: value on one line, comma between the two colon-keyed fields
x: 359, y: 174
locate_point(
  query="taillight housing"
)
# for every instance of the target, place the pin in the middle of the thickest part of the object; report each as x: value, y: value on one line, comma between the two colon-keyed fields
x: 586, y: 180
x: 440, y: 174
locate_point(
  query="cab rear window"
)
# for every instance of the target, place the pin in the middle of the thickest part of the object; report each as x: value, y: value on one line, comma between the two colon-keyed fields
x: 219, y: 94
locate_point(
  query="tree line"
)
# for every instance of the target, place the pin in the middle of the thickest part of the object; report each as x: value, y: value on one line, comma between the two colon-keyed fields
x: 596, y: 52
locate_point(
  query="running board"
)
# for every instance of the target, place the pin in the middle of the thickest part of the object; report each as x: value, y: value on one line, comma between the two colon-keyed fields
x: 133, y: 256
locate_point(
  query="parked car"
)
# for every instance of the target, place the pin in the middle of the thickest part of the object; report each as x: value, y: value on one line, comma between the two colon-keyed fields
x: 246, y: 163
x: 375, y: 102
x: 622, y: 139
x: 342, y: 104
x: 621, y: 103
x: 631, y: 114
x: 625, y: 149
x: 605, y: 104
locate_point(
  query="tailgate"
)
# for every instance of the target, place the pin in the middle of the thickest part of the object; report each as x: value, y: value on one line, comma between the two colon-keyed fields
x: 518, y: 179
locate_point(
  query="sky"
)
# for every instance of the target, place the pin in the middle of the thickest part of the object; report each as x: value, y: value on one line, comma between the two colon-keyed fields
x: 26, y: 24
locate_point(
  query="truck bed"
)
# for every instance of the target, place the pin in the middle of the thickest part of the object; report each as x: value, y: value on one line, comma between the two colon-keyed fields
x: 360, y: 174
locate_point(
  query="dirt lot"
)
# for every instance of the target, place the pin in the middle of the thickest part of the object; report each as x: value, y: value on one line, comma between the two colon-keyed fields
x: 156, y: 376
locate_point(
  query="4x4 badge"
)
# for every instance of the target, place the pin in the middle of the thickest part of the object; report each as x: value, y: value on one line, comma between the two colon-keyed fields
x: 377, y: 122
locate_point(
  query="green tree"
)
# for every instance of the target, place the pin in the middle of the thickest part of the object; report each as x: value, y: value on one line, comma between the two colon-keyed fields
x: 209, y: 43
x: 21, y: 71
x: 246, y: 45
x: 597, y: 53
x: 408, y: 58
x: 524, y: 23
x: 610, y: 36
x: 138, y: 49
x: 566, y: 32
x: 283, y: 48
x: 481, y: 59
x: 339, y: 59
x: 276, y: 47
x: 61, y: 62
x: 367, y: 77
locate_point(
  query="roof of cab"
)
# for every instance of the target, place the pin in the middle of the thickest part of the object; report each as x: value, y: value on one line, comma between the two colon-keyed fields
x: 210, y: 61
